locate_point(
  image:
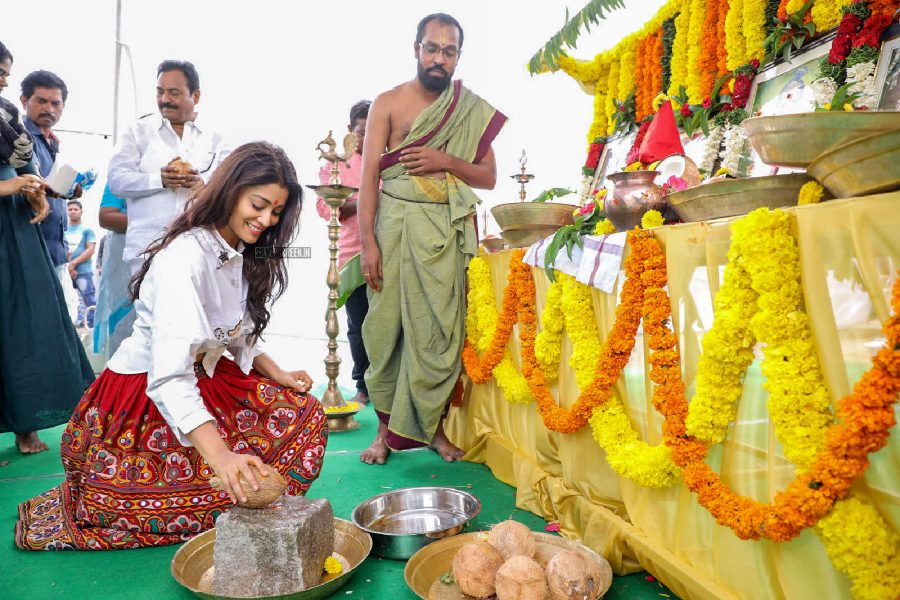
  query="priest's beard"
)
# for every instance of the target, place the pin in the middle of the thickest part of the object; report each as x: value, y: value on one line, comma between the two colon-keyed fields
x: 429, y: 81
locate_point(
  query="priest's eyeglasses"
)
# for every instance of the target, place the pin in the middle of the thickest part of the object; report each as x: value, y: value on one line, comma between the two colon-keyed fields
x: 450, y: 52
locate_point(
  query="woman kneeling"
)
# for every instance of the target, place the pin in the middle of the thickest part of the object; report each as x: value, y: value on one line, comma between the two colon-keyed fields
x: 170, y: 411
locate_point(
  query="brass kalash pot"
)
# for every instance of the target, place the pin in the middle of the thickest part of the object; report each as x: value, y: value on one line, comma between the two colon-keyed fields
x: 634, y: 193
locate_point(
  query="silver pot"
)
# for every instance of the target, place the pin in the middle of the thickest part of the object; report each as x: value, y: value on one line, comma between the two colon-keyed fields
x: 403, y: 521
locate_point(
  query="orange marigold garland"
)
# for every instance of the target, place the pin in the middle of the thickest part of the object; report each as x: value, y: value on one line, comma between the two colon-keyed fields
x: 613, y: 358
x: 721, y: 52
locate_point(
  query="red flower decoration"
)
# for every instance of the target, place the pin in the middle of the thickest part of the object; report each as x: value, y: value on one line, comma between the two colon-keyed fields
x: 685, y: 110
x: 593, y: 158
x: 586, y: 209
x: 754, y: 63
x: 635, y: 151
x: 872, y: 30
x: 707, y: 103
x: 849, y: 24
x: 840, y: 49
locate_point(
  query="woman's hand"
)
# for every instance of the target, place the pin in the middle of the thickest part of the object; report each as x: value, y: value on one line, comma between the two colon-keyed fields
x: 39, y: 204
x: 229, y: 466
x: 20, y: 184
x: 297, y: 380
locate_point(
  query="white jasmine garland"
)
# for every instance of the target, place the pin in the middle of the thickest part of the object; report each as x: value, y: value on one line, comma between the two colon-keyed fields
x: 711, y: 150
x: 824, y: 90
x: 735, y: 140
x: 862, y: 79
x: 586, y: 183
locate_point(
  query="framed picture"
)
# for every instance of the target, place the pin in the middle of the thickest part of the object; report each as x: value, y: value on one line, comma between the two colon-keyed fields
x: 887, y: 74
x: 785, y: 88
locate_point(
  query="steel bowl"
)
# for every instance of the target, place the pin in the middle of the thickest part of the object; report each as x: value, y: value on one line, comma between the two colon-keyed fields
x: 797, y: 140
x: 524, y: 223
x: 192, y: 566
x: 403, y: 521
x: 862, y: 167
x: 733, y: 197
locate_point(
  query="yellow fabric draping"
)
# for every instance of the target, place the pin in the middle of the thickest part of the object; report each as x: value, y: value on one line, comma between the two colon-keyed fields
x: 850, y: 253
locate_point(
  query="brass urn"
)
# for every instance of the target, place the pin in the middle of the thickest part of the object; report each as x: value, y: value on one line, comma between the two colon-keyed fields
x: 634, y: 193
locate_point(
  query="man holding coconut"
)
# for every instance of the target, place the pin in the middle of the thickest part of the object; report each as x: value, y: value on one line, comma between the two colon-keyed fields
x: 161, y: 157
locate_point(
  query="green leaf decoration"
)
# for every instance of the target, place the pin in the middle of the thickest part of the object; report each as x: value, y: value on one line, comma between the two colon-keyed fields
x: 594, y: 12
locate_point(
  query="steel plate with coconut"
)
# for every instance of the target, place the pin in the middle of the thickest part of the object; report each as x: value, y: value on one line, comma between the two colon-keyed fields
x: 403, y: 521
x: 508, y: 562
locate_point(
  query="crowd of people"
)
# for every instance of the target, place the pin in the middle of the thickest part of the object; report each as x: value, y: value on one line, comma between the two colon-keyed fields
x: 184, y: 298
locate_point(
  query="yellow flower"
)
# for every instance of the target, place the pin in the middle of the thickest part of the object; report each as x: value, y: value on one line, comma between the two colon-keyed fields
x: 604, y: 227
x: 651, y: 219
x: 735, y: 43
x: 635, y: 166
x: 848, y: 107
x: 333, y: 566
x: 658, y: 101
x: 722, y: 171
x: 827, y: 106
x: 548, y: 342
x: 811, y: 193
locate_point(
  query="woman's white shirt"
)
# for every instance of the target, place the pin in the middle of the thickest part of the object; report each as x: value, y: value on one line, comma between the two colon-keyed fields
x: 193, y: 300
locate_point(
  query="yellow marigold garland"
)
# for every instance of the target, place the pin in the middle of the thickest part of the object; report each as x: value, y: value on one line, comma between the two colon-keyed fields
x: 811, y: 193
x: 680, y: 50
x: 651, y: 219
x: 755, y: 28
x: 695, y: 50
x: 604, y: 227
x: 735, y: 43
x: 581, y: 326
x: 548, y: 343
x: 827, y: 13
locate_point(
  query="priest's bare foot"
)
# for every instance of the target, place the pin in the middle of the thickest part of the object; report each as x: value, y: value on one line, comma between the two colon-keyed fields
x: 30, y: 443
x: 360, y: 397
x: 443, y: 446
x: 378, y: 451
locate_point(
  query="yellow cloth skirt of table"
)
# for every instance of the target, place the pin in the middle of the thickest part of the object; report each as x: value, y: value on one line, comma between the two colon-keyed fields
x: 850, y: 253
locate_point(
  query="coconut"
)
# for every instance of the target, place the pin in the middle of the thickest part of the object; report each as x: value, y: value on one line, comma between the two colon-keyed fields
x: 270, y: 488
x: 184, y: 167
x: 521, y: 578
x: 511, y: 538
x: 572, y: 576
x: 475, y: 567
x: 678, y: 165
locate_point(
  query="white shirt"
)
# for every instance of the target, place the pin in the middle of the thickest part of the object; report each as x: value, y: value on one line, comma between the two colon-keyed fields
x: 147, y: 146
x: 192, y: 300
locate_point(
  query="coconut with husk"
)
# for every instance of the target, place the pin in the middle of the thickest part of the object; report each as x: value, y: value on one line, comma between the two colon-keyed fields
x: 571, y: 576
x: 475, y: 569
x: 182, y: 166
x: 521, y: 578
x: 677, y: 165
x: 512, y: 538
x: 271, y: 488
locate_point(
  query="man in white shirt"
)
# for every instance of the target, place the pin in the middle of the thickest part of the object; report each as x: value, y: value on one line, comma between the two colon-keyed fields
x: 161, y: 157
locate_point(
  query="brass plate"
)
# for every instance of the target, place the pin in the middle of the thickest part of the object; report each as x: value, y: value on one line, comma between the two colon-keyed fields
x: 424, y: 570
x: 797, y: 140
x: 192, y: 565
x: 732, y: 197
x: 867, y: 166
x: 524, y: 223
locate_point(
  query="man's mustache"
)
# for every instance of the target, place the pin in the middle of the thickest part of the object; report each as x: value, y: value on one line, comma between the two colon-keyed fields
x: 47, y: 115
x: 167, y: 105
x: 437, y: 70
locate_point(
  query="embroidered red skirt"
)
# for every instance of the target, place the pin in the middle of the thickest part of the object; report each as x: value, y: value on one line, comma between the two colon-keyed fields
x: 130, y: 484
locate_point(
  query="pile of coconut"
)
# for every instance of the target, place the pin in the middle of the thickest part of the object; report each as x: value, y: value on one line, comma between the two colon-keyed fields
x: 503, y: 563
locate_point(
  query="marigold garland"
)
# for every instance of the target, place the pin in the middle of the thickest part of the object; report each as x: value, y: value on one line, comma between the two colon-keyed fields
x: 826, y: 14
x: 695, y: 51
x: 755, y: 28
x: 735, y: 43
x: 707, y: 60
x: 721, y: 51
x: 548, y: 343
x: 865, y: 418
x: 811, y: 193
x: 679, y: 62
x: 581, y: 327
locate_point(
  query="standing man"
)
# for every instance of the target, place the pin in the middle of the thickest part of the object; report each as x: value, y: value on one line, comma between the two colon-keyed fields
x: 429, y: 140
x: 161, y: 157
x: 357, y: 304
x: 44, y: 96
x: 82, y: 242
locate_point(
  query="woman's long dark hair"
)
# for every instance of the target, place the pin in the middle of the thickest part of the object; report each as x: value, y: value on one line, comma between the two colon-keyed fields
x: 257, y: 163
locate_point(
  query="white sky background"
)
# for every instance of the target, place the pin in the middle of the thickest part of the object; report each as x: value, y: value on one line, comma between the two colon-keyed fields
x: 287, y: 72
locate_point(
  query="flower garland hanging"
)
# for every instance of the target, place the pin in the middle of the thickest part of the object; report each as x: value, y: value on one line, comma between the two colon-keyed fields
x: 827, y: 13
x: 548, y: 343
x: 755, y: 23
x: 865, y: 416
x: 680, y: 50
x: 613, y: 358
x: 695, y: 51
x: 721, y: 50
x: 735, y: 43
x: 626, y: 453
x: 581, y: 327
x: 707, y: 59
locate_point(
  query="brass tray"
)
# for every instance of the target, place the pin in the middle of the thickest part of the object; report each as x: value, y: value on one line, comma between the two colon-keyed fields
x: 524, y: 223
x: 862, y: 167
x: 732, y: 197
x: 424, y: 570
x: 192, y: 565
x: 797, y: 140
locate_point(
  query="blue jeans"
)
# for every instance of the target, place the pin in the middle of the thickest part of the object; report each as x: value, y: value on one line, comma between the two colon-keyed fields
x: 84, y: 283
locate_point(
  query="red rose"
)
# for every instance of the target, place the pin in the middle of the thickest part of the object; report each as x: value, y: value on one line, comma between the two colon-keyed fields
x: 685, y: 110
x: 840, y: 49
x: 849, y: 24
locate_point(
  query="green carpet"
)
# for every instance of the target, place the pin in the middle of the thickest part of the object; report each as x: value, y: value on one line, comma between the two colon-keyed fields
x: 144, y: 574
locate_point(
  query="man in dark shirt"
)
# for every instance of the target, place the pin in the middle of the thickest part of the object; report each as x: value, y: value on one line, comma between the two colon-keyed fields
x: 44, y: 97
